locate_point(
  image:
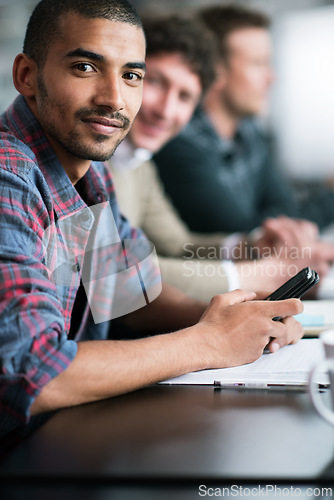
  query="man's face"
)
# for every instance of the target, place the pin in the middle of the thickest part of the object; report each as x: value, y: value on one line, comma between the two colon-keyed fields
x: 248, y: 73
x: 90, y: 87
x: 171, y: 93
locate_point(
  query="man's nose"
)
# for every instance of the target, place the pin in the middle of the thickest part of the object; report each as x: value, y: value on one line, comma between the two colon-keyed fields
x: 168, y: 105
x: 109, y: 93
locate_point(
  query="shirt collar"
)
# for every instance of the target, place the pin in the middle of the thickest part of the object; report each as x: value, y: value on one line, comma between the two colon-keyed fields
x: 127, y: 157
x: 202, y: 124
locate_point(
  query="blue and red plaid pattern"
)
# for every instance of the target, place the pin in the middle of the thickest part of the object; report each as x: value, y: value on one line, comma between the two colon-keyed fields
x: 36, y: 199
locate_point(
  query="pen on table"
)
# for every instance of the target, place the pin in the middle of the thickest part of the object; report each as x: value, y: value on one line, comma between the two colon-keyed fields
x: 299, y: 386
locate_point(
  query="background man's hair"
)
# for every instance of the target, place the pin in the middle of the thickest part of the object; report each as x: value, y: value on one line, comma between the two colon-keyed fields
x: 45, y: 22
x: 184, y: 35
x: 224, y: 19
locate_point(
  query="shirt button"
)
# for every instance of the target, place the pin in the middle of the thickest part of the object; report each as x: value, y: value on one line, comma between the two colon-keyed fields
x: 76, y: 267
x: 84, y: 216
x: 84, y: 219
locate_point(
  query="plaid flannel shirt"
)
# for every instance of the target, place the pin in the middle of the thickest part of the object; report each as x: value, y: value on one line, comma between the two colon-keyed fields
x: 37, y: 200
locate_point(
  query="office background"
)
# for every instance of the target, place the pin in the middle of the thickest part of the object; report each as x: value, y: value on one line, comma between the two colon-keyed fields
x: 301, y: 111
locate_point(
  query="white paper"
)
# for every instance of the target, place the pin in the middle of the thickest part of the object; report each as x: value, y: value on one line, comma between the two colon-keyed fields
x: 290, y: 364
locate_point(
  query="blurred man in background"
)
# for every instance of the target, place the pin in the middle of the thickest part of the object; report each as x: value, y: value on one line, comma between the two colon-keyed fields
x: 223, y: 162
x: 180, y: 67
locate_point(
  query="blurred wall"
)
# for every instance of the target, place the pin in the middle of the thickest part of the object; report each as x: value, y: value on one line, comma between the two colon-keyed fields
x: 302, y: 103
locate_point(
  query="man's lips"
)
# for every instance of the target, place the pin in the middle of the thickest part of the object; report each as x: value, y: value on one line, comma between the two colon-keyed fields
x: 103, y: 125
x: 154, y: 128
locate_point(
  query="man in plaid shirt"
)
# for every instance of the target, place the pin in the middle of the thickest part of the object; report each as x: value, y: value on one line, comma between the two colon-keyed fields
x: 80, y: 79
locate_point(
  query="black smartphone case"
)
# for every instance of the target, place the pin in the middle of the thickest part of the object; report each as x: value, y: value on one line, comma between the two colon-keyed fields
x: 296, y: 286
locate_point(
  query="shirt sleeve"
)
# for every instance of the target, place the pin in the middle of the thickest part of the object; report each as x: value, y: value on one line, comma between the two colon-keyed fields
x: 33, y: 343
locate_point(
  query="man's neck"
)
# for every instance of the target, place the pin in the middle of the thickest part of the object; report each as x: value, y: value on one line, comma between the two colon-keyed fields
x: 223, y: 121
x: 75, y: 168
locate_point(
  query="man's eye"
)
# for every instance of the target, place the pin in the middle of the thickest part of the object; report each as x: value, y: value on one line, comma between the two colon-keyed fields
x: 84, y: 67
x: 185, y: 98
x: 134, y: 77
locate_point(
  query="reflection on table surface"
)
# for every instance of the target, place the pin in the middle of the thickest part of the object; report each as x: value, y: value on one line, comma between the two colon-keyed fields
x: 183, y: 433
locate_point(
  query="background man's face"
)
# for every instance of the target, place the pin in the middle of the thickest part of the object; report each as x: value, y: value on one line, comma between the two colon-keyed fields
x: 248, y: 73
x: 171, y: 93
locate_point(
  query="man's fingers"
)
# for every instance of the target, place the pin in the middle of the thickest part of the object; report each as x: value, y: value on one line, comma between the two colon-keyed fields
x: 261, y: 295
x: 291, y: 231
x: 235, y: 297
x: 280, y: 305
x: 324, y: 250
x: 286, y: 331
x: 283, y: 308
x: 273, y: 345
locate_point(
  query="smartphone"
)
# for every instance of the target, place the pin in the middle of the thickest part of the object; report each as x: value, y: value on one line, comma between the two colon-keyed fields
x: 296, y: 286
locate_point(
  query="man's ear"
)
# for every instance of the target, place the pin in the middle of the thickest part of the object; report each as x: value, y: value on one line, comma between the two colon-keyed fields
x: 25, y: 75
x: 221, y: 72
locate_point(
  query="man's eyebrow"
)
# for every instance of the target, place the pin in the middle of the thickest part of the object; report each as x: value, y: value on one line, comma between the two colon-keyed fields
x: 136, y: 65
x: 87, y: 54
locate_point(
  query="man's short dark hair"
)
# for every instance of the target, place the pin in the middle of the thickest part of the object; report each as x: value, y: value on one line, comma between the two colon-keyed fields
x: 224, y: 19
x: 45, y: 22
x: 184, y: 35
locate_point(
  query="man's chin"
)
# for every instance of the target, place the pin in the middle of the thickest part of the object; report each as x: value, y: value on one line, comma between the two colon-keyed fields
x: 95, y: 155
x: 104, y: 155
x: 152, y: 144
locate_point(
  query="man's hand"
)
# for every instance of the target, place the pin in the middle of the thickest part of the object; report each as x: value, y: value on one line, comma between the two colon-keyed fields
x: 297, y: 241
x: 236, y: 328
x: 285, y: 232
